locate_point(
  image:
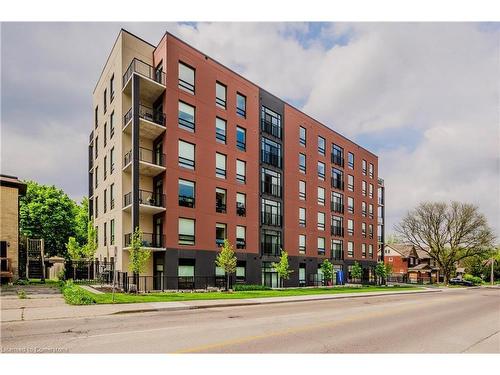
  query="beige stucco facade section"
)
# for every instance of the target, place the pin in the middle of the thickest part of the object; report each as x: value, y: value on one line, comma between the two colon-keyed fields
x: 9, y: 224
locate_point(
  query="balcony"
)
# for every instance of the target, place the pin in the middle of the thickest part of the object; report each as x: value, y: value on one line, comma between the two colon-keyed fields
x: 271, y: 189
x: 186, y: 201
x: 337, y: 231
x: 220, y: 207
x: 271, y: 158
x: 151, y: 163
x: 337, y: 207
x: 152, y: 241
x: 270, y: 248
x: 152, y: 83
x: 270, y: 128
x: 151, y: 122
x: 149, y: 202
x: 269, y: 218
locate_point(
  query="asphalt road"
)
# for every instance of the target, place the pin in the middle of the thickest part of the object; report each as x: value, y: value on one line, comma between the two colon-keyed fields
x: 453, y: 321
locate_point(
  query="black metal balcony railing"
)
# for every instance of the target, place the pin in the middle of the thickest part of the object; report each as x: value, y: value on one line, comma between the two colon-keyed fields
x: 337, y: 183
x: 186, y: 201
x: 153, y: 240
x: 220, y: 207
x: 241, y: 145
x: 219, y: 172
x: 144, y: 69
x: 269, y: 248
x: 270, y: 128
x: 241, y: 243
x: 241, y: 112
x: 146, y: 113
x: 338, y: 160
x: 337, y: 255
x: 271, y: 158
x: 269, y: 218
x: 241, y: 209
x: 240, y: 178
x: 147, y: 198
x: 337, y: 231
x: 271, y: 189
x: 147, y: 156
x: 337, y: 207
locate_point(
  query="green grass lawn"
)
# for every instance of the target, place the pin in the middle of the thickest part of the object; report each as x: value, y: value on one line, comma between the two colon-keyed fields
x: 170, y: 297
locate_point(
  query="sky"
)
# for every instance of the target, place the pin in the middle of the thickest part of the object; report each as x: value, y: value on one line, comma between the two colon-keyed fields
x: 424, y: 97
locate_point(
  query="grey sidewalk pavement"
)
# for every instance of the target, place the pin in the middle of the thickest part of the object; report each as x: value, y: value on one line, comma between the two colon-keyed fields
x: 12, y: 313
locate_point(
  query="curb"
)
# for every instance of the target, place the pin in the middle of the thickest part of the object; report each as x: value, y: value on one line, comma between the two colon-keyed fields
x: 239, y: 304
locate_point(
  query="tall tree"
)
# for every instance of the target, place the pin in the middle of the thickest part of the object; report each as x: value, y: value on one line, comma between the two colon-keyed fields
x: 283, y: 267
x: 226, y: 260
x: 449, y: 233
x: 47, y: 212
x: 82, y: 221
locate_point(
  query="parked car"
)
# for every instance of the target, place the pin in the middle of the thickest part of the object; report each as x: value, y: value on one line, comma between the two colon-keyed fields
x: 459, y: 281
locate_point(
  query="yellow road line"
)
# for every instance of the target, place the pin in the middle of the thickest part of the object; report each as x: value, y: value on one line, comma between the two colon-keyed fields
x: 289, y: 331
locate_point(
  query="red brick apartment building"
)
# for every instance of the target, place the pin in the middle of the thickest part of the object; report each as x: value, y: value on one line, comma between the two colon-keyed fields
x: 193, y: 153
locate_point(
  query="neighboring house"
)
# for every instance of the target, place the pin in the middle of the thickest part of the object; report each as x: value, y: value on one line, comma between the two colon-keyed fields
x: 10, y: 191
x: 401, y: 257
x: 430, y: 269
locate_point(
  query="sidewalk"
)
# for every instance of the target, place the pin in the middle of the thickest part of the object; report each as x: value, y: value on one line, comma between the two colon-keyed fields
x: 12, y: 313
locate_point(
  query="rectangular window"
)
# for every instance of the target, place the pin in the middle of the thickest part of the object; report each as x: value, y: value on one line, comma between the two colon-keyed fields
x: 241, y: 237
x: 363, y: 167
x: 370, y: 230
x: 350, y: 205
x: 186, y: 78
x: 105, y: 134
x: 370, y: 170
x: 337, y: 226
x: 241, y: 271
x: 111, y: 160
x: 271, y: 152
x: 105, y: 230
x: 186, y: 231
x: 321, y: 245
x: 321, y: 196
x: 363, y: 209
x: 370, y: 251
x: 186, y: 155
x: 105, y: 192
x: 363, y: 188
x: 337, y: 179
x: 302, y: 217
x: 220, y: 200
x: 241, y: 203
x: 270, y: 122
x: 241, y: 138
x: 105, y: 167
x: 96, y: 206
x: 220, y: 165
x: 185, y: 271
x: 241, y: 167
x: 363, y: 250
x: 321, y: 145
x: 271, y: 182
x: 220, y: 233
x: 350, y: 227
x: 220, y: 130
x: 370, y: 211
x: 302, y: 136
x: 337, y: 155
x: 96, y: 116
x: 363, y: 229
x: 350, y: 249
x: 111, y: 88
x: 186, y: 193
x: 112, y: 230
x: 302, y: 243
x: 302, y: 190
x: 302, y: 163
x: 186, y: 117
x: 321, y: 171
x: 350, y: 182
x: 270, y: 212
x: 220, y: 95
x: 96, y: 176
x: 337, y: 249
x: 321, y: 220
x: 337, y: 202
x: 96, y: 146
x: 112, y: 196
x: 370, y: 191
x: 112, y: 124
x: 350, y: 160
x: 105, y: 100
x: 241, y: 105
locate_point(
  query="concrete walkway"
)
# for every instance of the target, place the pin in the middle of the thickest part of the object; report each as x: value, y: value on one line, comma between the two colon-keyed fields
x: 24, y: 311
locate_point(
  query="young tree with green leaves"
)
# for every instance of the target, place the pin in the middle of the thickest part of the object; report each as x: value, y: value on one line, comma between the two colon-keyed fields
x: 138, y: 256
x: 82, y: 221
x: 381, y: 272
x: 226, y: 259
x: 356, y: 271
x: 328, y: 271
x: 74, y: 252
x: 282, y: 267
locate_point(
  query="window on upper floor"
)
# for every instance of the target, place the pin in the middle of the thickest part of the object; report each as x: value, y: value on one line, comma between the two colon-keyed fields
x: 363, y: 188
x: 337, y: 155
x: 321, y: 220
x: 337, y: 179
x: 220, y: 130
x: 363, y: 209
x: 363, y: 167
x: 186, y: 116
x: 370, y: 191
x: 111, y: 88
x: 241, y: 237
x: 96, y: 116
x: 241, y: 171
x: 186, y: 193
x: 321, y: 245
x: 105, y: 100
x: 241, y: 138
x: 271, y: 152
x: 350, y: 227
x: 220, y: 165
x: 221, y: 200
x: 270, y: 122
x: 220, y: 95
x: 370, y: 170
x: 337, y: 202
x: 350, y: 249
x: 220, y: 233
x: 321, y: 171
x: 302, y: 135
x: 302, y: 190
x: 270, y: 182
x: 350, y: 205
x: 302, y: 243
x: 186, y: 78
x: 363, y: 250
x: 241, y: 204
x: 186, y: 154
x: 363, y: 229
x: 241, y: 105
x: 186, y: 231
x: 302, y: 217
x: 302, y: 162
x: 321, y: 196
x: 350, y: 182
x: 350, y: 160
x: 321, y: 145
x: 112, y: 124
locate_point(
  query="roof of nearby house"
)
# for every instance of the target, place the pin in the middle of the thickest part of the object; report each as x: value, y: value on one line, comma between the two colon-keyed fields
x: 420, y: 267
x: 422, y: 254
x: 14, y: 182
x: 404, y: 250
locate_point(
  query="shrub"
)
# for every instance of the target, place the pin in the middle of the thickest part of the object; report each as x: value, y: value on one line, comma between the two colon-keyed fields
x: 476, y: 280
x: 74, y: 295
x: 22, y: 282
x: 245, y: 287
x: 21, y: 294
